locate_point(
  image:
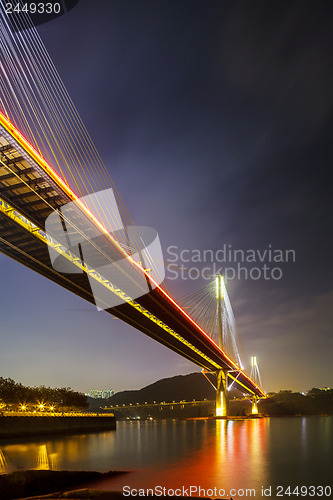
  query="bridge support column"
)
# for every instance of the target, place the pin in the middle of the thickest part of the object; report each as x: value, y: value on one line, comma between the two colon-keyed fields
x: 255, y: 405
x: 221, y: 409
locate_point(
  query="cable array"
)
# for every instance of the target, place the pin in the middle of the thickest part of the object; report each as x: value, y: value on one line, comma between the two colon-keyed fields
x: 255, y: 373
x: 36, y: 101
x: 202, y: 306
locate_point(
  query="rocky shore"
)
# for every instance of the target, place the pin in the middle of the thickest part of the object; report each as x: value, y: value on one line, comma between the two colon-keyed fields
x: 31, y: 483
x: 43, y: 484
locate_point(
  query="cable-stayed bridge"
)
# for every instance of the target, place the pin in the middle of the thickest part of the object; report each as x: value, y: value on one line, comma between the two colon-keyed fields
x: 30, y: 190
x: 38, y: 115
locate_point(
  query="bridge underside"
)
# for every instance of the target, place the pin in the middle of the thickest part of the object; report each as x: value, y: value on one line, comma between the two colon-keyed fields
x: 29, y: 193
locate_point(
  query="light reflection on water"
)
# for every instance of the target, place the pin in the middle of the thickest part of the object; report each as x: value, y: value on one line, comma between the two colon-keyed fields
x: 222, y: 454
x: 29, y: 457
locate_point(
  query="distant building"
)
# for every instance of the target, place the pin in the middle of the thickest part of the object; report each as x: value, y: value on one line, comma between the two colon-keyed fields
x: 100, y: 394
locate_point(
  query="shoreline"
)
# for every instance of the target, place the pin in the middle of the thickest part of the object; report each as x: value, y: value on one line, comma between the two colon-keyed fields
x: 30, y: 483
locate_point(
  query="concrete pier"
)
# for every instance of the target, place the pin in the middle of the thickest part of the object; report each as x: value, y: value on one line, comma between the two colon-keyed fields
x: 27, y: 425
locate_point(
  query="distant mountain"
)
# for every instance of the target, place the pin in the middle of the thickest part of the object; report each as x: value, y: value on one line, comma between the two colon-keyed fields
x: 178, y: 388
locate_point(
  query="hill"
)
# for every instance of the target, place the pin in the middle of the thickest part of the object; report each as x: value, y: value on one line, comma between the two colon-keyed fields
x: 178, y: 388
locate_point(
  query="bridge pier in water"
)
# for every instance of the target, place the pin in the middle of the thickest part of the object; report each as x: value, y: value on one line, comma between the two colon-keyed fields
x: 255, y: 401
x: 255, y: 375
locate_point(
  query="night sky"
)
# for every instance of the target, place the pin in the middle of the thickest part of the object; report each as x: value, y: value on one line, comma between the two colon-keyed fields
x: 214, y: 119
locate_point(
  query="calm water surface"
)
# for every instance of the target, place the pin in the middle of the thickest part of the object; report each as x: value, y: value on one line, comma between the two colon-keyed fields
x: 223, y: 454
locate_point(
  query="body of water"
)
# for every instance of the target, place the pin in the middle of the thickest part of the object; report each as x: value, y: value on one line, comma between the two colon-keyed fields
x: 244, y: 458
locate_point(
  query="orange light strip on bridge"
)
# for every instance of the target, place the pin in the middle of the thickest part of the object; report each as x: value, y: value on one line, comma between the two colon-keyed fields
x: 6, y: 123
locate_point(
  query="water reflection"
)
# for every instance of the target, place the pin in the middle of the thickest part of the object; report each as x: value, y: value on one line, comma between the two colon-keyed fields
x: 208, y: 454
x: 222, y: 454
x: 5, y: 465
x: 28, y: 457
x: 224, y: 450
x: 46, y: 460
x: 42, y: 458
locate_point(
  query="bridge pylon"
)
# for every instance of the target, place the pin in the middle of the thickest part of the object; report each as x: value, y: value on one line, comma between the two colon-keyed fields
x: 211, y: 309
x: 221, y: 407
